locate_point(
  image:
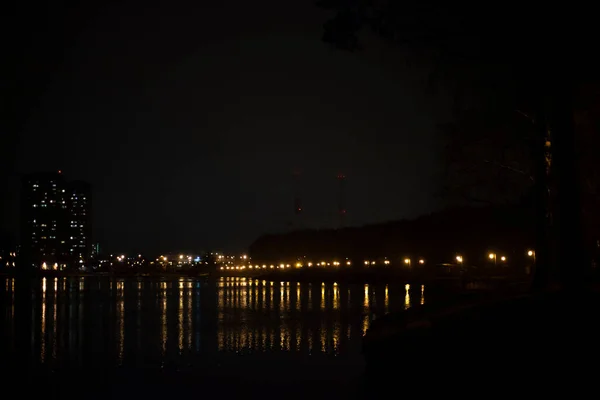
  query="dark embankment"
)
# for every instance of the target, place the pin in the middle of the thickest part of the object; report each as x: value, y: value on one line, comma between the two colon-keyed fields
x: 436, y: 237
x: 518, y: 345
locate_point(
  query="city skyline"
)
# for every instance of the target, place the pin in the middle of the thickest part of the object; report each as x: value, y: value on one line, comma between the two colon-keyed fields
x: 55, y: 219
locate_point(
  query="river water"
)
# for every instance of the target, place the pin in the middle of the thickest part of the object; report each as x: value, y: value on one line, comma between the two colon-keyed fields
x: 251, y: 333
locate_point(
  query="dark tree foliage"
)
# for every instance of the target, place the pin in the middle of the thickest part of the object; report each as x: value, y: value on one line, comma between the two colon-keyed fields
x: 437, y: 237
x: 504, y: 58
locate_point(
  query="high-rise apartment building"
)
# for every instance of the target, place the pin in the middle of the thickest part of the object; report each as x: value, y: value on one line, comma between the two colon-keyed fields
x: 79, y: 199
x: 55, y: 219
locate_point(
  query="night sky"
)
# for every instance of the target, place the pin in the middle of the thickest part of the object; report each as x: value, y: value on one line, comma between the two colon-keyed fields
x: 190, y: 122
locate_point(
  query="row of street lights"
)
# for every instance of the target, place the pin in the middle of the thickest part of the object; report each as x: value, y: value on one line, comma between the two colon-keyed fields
x: 407, y: 261
x: 494, y: 256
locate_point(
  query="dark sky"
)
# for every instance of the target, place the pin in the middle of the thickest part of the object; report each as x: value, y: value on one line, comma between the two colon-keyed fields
x: 188, y: 122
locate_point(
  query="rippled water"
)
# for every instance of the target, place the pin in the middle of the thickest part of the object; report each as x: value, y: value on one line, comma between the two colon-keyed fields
x: 229, y: 327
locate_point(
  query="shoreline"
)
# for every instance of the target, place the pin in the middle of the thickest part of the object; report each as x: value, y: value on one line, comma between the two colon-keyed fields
x: 53, y: 274
x: 372, y: 276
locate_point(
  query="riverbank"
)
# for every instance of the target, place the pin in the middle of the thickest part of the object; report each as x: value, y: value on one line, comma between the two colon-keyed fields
x: 66, y: 274
x: 387, y: 275
x: 331, y: 276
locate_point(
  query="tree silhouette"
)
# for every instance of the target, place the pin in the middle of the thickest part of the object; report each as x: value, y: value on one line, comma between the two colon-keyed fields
x: 530, y: 59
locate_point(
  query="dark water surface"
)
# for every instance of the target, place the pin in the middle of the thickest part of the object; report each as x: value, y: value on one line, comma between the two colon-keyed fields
x: 146, y: 336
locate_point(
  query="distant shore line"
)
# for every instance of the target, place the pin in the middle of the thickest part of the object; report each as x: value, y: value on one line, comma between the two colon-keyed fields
x: 302, y: 276
x: 75, y: 274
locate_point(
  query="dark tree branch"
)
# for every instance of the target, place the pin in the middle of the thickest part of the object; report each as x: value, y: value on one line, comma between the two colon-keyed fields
x: 509, y: 168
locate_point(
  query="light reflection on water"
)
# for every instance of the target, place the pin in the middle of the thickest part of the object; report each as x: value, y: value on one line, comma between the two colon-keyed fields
x: 182, y: 322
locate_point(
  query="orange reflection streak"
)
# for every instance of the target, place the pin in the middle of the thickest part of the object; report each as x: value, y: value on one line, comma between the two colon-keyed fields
x: 139, y: 316
x: 189, y: 317
x: 43, y: 333
x: 54, y: 316
x: 366, y: 300
x: 322, y: 296
x: 228, y: 296
x: 220, y: 302
x: 284, y: 333
x: 387, y: 300
x: 365, y: 324
x: 252, y: 338
x: 336, y: 338
x: 243, y: 296
x: 349, y: 333
x: 12, y: 300
x: 281, y: 297
x: 422, y: 294
x: 253, y: 297
x: 163, y: 317
x: 310, y: 340
x: 336, y: 297
x: 310, y: 296
x: 298, y: 337
x: 180, y: 318
x: 298, y: 297
x: 349, y: 303
x: 121, y: 321
x: 323, y: 337
x: 287, y: 297
x: 243, y: 337
x: 221, y: 292
x: 407, y: 296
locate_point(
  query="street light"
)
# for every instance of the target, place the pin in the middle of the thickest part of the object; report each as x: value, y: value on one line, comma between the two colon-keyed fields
x: 421, y: 261
x: 459, y: 259
x: 407, y: 261
x: 493, y: 256
x: 530, y: 253
x: 503, y: 258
